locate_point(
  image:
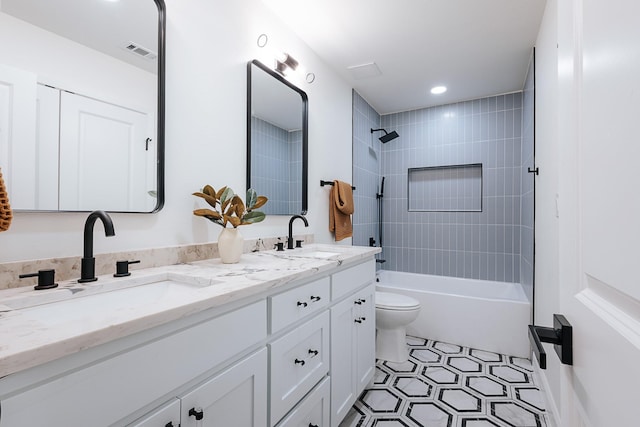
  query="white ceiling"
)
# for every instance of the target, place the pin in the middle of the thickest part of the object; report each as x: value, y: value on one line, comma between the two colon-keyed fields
x: 474, y: 47
x: 101, y: 25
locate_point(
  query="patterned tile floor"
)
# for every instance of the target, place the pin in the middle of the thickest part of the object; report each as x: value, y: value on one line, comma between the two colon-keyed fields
x: 449, y: 385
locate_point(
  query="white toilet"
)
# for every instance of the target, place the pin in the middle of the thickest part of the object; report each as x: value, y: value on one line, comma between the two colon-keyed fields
x: 393, y: 313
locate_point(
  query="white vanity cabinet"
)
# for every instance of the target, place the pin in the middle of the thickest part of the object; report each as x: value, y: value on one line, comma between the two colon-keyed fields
x: 294, y: 355
x: 352, y: 338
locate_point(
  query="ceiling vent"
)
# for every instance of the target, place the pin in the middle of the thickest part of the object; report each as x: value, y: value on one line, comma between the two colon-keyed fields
x: 364, y: 71
x: 138, y: 50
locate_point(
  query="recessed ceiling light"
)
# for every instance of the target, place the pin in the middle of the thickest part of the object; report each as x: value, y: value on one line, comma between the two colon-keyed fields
x: 437, y: 90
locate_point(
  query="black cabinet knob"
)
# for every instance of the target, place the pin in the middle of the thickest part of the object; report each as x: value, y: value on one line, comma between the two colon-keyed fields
x: 197, y: 414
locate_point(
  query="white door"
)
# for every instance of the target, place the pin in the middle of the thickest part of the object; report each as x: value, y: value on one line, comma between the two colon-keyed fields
x: 104, y: 156
x: 599, y: 213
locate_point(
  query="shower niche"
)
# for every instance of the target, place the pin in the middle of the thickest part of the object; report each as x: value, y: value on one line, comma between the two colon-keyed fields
x: 450, y: 188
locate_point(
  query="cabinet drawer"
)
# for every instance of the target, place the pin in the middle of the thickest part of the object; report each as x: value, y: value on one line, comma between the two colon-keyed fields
x: 313, y: 410
x: 298, y: 361
x: 292, y: 305
x: 347, y: 281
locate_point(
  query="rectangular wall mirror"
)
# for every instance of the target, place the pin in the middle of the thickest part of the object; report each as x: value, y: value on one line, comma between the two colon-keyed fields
x: 82, y: 104
x: 277, y: 140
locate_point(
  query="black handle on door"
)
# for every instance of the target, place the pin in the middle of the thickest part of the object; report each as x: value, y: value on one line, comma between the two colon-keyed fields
x: 169, y: 424
x: 303, y: 304
x: 197, y: 414
x: 315, y: 298
x: 561, y: 336
x: 313, y: 425
x: 299, y: 362
x: 313, y: 352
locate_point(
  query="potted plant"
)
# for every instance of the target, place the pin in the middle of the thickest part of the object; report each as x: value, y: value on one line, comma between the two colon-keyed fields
x: 228, y: 208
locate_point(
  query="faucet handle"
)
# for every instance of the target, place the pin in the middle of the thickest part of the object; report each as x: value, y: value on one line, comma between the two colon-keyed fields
x: 279, y: 246
x: 299, y: 243
x: 46, y: 279
x: 122, y: 268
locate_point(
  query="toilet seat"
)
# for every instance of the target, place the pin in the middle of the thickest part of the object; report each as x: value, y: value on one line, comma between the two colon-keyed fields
x: 391, y: 301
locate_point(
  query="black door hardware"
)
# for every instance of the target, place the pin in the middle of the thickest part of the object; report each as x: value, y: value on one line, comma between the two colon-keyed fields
x: 561, y: 336
x: 536, y: 170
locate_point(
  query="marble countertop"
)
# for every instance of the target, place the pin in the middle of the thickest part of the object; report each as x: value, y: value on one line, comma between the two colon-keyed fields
x: 41, y: 326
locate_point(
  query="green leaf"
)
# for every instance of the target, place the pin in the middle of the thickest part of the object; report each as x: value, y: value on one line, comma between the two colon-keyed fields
x: 253, y: 217
x: 252, y: 198
x: 227, y: 194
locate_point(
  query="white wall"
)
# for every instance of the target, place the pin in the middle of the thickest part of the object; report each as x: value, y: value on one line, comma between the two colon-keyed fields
x: 208, y: 46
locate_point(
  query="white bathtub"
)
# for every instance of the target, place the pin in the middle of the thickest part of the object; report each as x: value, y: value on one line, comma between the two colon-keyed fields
x: 480, y: 314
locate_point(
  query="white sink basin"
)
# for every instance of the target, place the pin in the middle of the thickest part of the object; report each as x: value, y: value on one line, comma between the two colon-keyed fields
x: 320, y: 254
x: 103, y: 305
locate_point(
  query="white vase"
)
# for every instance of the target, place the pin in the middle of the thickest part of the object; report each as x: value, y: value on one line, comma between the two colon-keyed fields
x: 230, y: 243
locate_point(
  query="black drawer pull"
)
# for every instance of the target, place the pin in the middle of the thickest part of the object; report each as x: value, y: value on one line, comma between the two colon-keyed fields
x: 198, y: 414
x: 358, y: 320
x: 359, y: 302
x: 169, y: 424
x: 313, y: 352
x: 299, y: 362
x: 313, y: 425
x: 303, y: 304
x: 315, y: 299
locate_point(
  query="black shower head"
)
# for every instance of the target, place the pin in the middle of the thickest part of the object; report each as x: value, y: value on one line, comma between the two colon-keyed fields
x: 387, y: 136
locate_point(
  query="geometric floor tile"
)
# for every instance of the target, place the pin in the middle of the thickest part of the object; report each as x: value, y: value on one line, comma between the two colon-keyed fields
x: 464, y: 364
x: 449, y: 385
x: 486, y: 386
x: 509, y: 374
x: 381, y: 400
x: 514, y: 414
x: 428, y: 414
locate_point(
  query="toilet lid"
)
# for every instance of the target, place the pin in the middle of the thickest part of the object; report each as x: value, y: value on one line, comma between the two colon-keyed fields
x: 390, y: 301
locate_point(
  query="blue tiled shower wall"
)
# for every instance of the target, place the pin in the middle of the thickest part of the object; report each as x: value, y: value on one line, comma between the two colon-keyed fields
x: 479, y: 245
x: 276, y: 165
x: 366, y: 171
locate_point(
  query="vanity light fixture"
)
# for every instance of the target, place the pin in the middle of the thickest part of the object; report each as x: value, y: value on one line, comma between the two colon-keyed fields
x: 285, y: 63
x: 438, y: 90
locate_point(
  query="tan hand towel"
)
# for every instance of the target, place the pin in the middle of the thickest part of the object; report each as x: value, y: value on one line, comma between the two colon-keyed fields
x: 340, y: 210
x: 5, y: 209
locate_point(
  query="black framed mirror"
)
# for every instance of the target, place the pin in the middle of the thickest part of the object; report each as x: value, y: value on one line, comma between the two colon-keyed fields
x: 277, y: 140
x: 88, y: 81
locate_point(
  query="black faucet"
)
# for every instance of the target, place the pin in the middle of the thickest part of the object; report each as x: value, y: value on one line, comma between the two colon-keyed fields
x: 88, y: 263
x: 290, y: 238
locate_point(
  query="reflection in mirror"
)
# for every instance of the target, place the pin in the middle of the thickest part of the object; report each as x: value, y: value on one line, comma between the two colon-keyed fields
x: 82, y: 104
x: 277, y: 140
